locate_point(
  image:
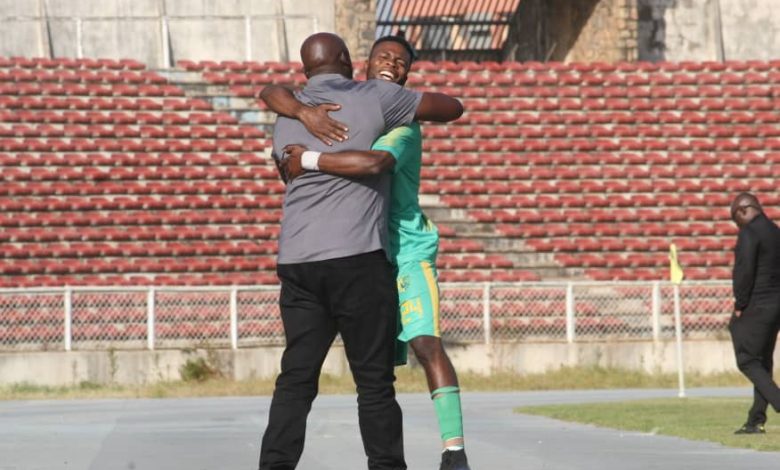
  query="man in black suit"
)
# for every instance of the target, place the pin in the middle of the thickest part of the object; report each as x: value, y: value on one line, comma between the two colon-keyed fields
x: 756, y: 320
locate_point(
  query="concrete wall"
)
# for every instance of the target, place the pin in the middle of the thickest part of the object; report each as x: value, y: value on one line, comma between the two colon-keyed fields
x: 689, y: 30
x: 591, y: 30
x: 751, y: 29
x: 137, y: 35
x: 21, y: 38
x: 356, y: 23
x: 142, y: 367
x: 527, y: 33
x: 654, y: 30
x: 574, y: 31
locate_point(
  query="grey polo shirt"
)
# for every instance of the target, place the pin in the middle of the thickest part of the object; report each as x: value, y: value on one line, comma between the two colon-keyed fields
x: 327, y: 217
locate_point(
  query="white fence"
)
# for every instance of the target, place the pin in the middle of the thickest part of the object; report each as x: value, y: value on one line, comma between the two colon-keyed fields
x: 89, y: 318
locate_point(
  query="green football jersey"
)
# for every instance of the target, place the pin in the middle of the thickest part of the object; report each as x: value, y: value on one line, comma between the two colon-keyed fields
x: 413, y: 237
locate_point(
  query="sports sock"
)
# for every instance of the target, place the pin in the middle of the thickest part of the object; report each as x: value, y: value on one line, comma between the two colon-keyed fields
x: 446, y: 402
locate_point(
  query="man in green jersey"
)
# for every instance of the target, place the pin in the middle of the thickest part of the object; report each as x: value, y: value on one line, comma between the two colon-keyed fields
x: 414, y: 239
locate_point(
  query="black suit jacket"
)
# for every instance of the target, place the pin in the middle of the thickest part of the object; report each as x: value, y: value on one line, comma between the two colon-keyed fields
x: 756, y: 276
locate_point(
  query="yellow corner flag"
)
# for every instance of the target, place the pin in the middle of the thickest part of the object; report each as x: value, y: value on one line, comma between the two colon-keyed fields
x: 676, y: 274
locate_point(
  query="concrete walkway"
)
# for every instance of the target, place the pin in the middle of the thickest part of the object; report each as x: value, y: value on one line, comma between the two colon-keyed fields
x: 224, y: 433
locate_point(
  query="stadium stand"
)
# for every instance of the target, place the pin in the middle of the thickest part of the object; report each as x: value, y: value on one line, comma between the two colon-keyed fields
x: 565, y: 171
x: 115, y: 174
x: 111, y: 175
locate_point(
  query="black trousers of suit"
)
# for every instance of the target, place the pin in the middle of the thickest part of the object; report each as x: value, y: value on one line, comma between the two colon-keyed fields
x: 356, y: 297
x: 754, y: 335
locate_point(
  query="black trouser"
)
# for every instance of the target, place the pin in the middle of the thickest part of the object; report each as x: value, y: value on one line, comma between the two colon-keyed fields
x: 356, y: 297
x: 754, y: 335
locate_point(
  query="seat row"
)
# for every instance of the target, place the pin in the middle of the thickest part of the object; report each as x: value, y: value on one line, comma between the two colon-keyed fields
x: 32, y: 161
x: 548, y: 85
x: 598, y: 193
x: 233, y: 195
x: 627, y: 234
x: 26, y: 180
x: 533, y: 131
x: 604, y: 144
x: 557, y: 163
x: 121, y: 218
x: 80, y: 76
x: 108, y: 144
x: 105, y: 243
x: 99, y: 131
x: 608, y: 179
x: 80, y: 89
x: 84, y: 103
x: 88, y: 193
x: 610, y: 107
x: 121, y: 265
x: 248, y: 278
x: 518, y: 99
x: 498, y: 67
x: 703, y: 213
x: 70, y: 63
x: 120, y: 118
x: 183, y: 233
x: 622, y: 245
x: 593, y: 187
x: 482, y: 112
x: 101, y: 249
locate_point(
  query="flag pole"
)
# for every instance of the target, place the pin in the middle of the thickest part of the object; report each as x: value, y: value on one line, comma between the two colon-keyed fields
x: 678, y: 338
x: 676, y: 276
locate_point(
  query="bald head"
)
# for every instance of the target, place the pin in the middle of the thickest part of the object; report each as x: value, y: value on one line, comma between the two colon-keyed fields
x: 325, y: 53
x: 744, y: 208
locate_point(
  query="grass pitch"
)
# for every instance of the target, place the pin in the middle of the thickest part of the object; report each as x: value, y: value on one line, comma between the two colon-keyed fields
x: 701, y: 419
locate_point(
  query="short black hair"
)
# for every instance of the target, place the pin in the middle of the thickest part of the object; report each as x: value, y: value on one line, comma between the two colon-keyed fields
x: 400, y: 38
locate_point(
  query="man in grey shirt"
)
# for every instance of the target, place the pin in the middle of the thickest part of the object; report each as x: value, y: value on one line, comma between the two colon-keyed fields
x: 335, y: 275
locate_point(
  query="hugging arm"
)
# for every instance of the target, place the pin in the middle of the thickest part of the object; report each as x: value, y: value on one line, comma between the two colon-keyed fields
x: 316, y: 119
x: 347, y: 163
x: 438, y: 107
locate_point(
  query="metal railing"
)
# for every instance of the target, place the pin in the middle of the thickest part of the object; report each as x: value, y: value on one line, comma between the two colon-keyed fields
x: 164, y: 22
x: 443, y: 29
x: 85, y: 318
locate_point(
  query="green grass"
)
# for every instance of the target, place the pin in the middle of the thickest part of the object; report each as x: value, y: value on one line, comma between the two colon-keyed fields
x: 410, y: 379
x: 701, y: 419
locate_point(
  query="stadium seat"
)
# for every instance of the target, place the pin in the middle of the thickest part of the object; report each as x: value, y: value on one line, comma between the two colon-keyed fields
x: 593, y: 166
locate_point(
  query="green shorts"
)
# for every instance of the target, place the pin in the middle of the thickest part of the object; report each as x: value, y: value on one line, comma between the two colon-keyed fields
x: 418, y: 300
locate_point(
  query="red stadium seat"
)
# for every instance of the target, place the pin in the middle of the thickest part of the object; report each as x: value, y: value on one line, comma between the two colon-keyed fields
x: 595, y: 166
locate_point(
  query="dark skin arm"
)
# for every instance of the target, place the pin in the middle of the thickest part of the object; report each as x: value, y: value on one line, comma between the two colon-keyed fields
x: 316, y: 119
x: 281, y: 169
x: 438, y: 107
x: 348, y: 163
x: 745, y: 257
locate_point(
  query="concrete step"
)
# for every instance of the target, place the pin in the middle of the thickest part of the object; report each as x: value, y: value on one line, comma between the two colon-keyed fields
x: 181, y: 77
x: 444, y: 214
x: 470, y: 229
x: 505, y: 245
x: 530, y: 260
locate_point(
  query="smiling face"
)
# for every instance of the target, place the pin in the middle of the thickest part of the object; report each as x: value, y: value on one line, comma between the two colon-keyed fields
x: 389, y: 61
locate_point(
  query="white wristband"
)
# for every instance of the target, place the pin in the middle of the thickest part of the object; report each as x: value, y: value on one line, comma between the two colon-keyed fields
x: 309, y: 160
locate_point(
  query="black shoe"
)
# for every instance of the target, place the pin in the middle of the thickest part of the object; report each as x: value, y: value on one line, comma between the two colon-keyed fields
x: 454, y: 460
x: 751, y: 429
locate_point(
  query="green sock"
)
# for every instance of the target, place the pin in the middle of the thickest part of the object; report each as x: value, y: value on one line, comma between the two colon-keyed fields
x: 446, y: 402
